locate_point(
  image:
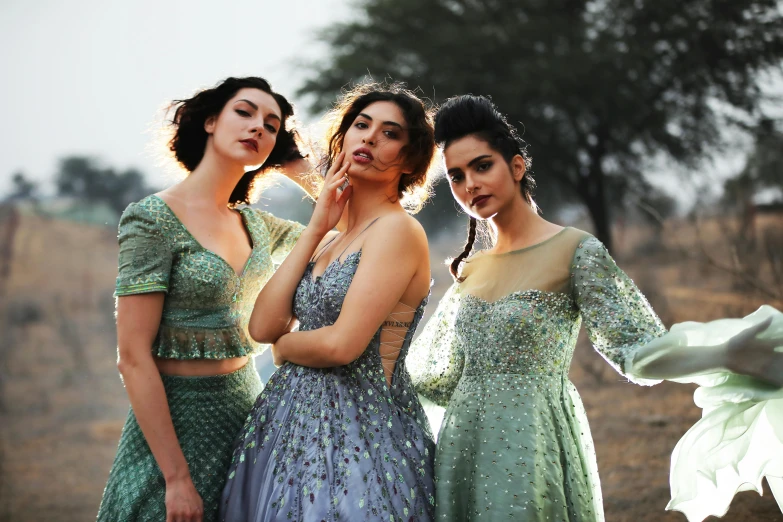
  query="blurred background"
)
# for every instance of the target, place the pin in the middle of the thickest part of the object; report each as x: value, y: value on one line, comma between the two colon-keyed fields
x: 658, y: 126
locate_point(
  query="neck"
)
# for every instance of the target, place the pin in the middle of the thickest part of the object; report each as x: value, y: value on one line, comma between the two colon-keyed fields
x: 515, y: 225
x: 371, y: 200
x: 214, y: 179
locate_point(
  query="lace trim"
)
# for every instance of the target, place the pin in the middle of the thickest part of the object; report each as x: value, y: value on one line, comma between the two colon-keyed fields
x: 199, y: 343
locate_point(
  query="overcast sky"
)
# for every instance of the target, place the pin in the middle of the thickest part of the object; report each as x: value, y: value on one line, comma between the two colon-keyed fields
x: 88, y: 77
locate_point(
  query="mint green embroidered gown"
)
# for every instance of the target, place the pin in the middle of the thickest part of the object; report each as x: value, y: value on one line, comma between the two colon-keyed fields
x: 514, y: 443
x: 205, y: 316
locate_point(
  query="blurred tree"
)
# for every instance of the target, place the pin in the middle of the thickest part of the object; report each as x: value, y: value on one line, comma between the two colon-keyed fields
x: 640, y: 201
x: 83, y: 179
x: 22, y: 188
x: 764, y: 168
x: 601, y: 85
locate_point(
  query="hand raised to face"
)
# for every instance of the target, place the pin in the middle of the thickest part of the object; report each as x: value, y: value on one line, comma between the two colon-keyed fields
x: 331, y: 202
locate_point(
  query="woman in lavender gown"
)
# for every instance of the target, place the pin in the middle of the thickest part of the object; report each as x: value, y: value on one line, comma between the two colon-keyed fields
x: 338, y: 433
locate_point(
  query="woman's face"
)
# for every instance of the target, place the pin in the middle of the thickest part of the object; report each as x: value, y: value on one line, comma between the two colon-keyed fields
x: 481, y: 180
x: 246, y: 129
x: 373, y: 143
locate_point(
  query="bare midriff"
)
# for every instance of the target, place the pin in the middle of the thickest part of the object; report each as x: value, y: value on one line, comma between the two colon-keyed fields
x: 200, y: 367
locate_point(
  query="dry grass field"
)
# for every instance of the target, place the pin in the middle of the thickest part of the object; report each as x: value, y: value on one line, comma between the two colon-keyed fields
x: 62, y: 404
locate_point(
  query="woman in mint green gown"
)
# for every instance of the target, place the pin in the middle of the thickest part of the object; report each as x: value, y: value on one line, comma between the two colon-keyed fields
x: 514, y: 443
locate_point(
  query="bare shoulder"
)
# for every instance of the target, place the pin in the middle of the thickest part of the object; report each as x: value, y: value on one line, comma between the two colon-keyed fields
x: 403, y: 223
x: 398, y: 231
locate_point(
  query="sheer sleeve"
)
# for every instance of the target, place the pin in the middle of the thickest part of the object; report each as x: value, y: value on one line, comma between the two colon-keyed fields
x: 436, y: 359
x: 617, y: 316
x: 145, y: 257
x: 739, y: 439
x: 283, y: 235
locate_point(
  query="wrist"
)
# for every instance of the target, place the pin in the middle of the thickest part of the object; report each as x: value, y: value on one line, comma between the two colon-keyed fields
x: 314, y: 231
x: 177, y: 474
x: 277, y: 353
x: 727, y: 356
x: 712, y: 358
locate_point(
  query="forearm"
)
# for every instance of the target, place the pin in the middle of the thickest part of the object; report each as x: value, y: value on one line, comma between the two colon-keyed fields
x: 273, y: 310
x: 150, y: 406
x: 658, y: 360
x: 314, y: 348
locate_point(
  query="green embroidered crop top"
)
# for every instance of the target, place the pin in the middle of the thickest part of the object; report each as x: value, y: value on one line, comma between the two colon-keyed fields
x: 207, y: 304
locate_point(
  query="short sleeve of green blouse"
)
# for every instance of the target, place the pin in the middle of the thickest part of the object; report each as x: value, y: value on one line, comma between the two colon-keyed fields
x: 145, y: 257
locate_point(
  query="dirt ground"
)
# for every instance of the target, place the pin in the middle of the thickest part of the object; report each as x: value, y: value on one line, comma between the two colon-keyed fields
x: 62, y: 405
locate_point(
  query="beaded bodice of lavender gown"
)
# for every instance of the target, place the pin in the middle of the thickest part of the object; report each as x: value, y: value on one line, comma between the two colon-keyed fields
x: 342, y: 443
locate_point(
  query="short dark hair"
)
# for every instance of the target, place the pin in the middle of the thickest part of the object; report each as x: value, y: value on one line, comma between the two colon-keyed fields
x: 189, y: 139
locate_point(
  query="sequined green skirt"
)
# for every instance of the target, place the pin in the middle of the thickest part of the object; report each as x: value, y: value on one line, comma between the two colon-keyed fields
x: 208, y: 413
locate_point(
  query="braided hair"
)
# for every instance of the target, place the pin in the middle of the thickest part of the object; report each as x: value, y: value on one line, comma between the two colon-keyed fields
x: 470, y: 115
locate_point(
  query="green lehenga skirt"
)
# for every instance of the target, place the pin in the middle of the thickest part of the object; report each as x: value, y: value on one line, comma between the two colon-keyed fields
x: 208, y: 413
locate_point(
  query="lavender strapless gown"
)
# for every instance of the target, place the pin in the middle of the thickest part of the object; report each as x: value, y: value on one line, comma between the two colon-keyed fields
x: 333, y: 444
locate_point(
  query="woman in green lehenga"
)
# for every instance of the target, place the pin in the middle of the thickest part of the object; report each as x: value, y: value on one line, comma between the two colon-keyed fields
x: 190, y: 268
x: 514, y: 443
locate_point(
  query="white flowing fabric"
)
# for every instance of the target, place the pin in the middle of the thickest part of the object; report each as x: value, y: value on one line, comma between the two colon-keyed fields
x: 739, y: 439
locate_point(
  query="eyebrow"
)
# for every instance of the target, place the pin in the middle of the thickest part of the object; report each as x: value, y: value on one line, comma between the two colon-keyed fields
x: 393, y: 123
x: 272, y: 115
x: 249, y: 103
x: 471, y: 162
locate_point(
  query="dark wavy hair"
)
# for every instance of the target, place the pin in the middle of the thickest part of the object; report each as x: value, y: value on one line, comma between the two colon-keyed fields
x: 415, y: 186
x: 189, y: 139
x: 477, y: 116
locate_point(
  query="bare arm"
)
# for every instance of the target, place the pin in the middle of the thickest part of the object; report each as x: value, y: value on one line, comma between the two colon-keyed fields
x: 749, y: 351
x: 672, y: 364
x: 273, y: 311
x: 138, y: 319
x: 391, y: 257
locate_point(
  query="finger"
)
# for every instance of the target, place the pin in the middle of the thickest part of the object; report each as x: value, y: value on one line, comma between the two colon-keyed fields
x: 345, y: 196
x: 770, y: 344
x: 337, y: 181
x: 338, y: 176
x: 753, y: 331
x: 336, y: 166
x: 342, y: 171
